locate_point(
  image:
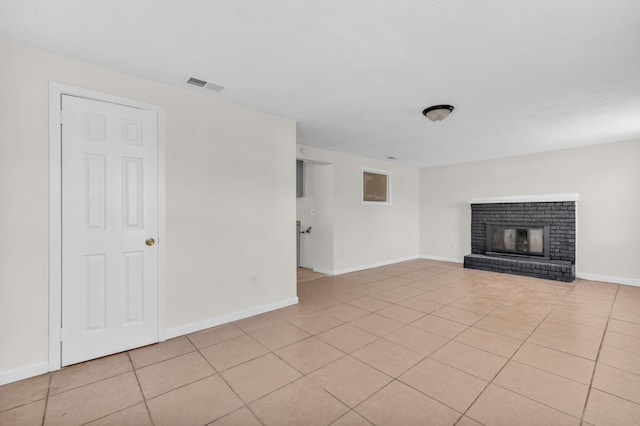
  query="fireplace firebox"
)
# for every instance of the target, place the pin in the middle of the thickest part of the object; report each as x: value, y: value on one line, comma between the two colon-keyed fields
x: 528, y: 240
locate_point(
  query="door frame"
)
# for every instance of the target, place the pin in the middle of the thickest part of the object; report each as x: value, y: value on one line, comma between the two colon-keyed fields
x: 56, y: 90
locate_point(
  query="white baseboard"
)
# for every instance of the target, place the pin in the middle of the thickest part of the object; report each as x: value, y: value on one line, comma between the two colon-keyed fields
x: 609, y: 279
x: 441, y: 259
x: 323, y: 271
x: 372, y: 265
x: 25, y: 372
x: 36, y: 369
x: 226, y: 318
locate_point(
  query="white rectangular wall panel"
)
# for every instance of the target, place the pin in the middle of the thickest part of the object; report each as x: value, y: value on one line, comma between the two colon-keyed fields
x: 132, y: 132
x: 134, y: 287
x: 95, y: 191
x: 93, y: 127
x: 132, y: 193
x: 95, y: 301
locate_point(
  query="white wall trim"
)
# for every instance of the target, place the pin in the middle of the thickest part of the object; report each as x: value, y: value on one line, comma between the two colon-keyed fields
x: 542, y: 198
x: 609, y: 279
x: 372, y: 265
x: 385, y: 263
x: 441, y: 259
x: 20, y: 373
x: 323, y: 271
x: 55, y: 225
x: 56, y: 90
x: 227, y: 318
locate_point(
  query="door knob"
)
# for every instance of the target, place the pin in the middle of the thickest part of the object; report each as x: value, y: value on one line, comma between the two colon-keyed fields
x: 150, y: 242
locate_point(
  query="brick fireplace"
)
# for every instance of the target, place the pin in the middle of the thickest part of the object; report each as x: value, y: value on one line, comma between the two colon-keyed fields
x: 525, y: 235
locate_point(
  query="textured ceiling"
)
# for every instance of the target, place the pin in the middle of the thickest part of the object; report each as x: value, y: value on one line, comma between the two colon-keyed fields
x: 524, y: 75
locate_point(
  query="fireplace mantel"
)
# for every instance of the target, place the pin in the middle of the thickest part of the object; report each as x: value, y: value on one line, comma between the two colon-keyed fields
x: 542, y: 198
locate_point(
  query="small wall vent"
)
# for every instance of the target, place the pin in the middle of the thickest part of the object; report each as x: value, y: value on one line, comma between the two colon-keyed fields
x: 207, y: 85
x: 196, y: 82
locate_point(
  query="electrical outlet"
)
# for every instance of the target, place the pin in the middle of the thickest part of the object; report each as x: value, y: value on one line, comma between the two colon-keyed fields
x: 253, y: 280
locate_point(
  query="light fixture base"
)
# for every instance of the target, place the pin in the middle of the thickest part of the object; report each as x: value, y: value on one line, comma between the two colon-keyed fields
x: 437, y: 112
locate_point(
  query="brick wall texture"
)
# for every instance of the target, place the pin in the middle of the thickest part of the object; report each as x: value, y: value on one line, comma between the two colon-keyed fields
x: 561, y: 218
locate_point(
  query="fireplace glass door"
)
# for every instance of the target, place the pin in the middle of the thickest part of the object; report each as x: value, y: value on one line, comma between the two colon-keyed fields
x: 523, y: 240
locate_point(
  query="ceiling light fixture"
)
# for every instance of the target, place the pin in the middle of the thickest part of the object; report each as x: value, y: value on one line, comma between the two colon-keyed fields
x: 437, y: 112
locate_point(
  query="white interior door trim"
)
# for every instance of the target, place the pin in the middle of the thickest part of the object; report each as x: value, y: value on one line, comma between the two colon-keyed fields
x: 56, y: 90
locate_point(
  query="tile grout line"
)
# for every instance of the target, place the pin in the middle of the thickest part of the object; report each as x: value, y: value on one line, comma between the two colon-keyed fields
x: 378, y: 338
x: 219, y: 374
x: 595, y: 364
x: 162, y: 360
x: 144, y: 398
x: 429, y: 357
x: 102, y: 380
x: 491, y: 382
x: 46, y: 399
x: 539, y: 402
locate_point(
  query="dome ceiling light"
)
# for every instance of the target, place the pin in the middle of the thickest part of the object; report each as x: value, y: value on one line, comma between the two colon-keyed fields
x: 437, y: 112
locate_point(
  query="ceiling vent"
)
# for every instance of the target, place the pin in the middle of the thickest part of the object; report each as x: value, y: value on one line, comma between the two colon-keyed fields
x: 207, y: 85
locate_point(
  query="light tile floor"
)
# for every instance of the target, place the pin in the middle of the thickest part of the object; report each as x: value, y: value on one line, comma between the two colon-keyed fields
x: 416, y: 343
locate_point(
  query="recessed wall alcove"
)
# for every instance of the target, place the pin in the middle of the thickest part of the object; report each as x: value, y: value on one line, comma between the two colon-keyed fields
x: 525, y: 235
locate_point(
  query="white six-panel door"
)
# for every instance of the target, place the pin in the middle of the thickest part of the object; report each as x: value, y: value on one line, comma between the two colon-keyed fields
x: 109, y: 228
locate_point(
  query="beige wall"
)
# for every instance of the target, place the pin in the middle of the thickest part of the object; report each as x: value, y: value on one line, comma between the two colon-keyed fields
x: 366, y: 235
x: 230, y: 191
x: 607, y: 178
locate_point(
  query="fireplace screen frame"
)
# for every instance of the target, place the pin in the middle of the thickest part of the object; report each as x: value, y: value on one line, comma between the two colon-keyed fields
x: 518, y: 228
